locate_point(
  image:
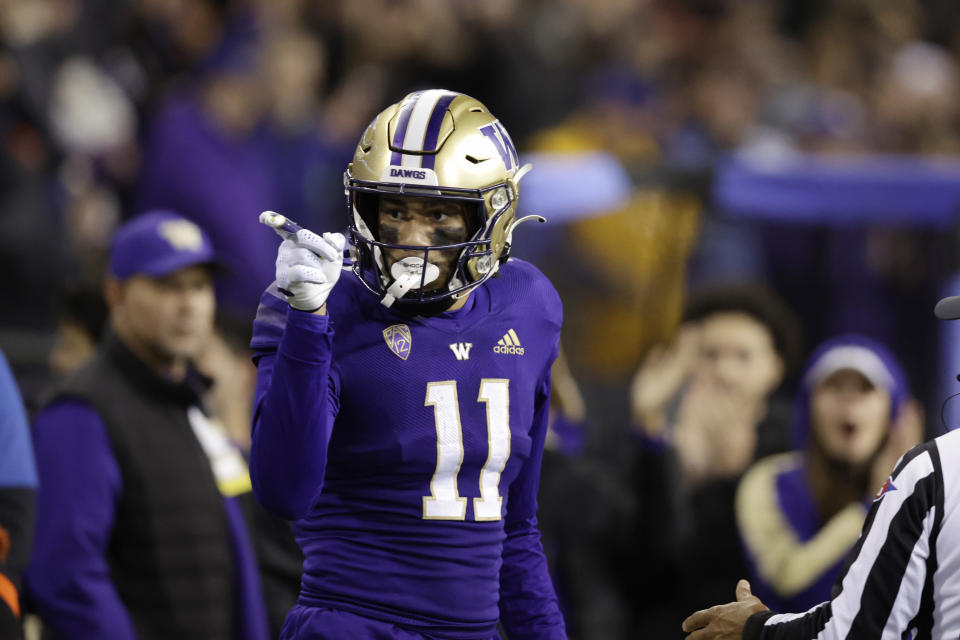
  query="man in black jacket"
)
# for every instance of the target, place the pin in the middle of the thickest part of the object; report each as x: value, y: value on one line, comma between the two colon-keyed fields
x: 139, y: 531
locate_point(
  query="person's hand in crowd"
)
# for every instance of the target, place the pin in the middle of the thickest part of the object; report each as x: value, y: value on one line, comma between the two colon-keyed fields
x: 658, y: 379
x: 565, y: 395
x: 234, y: 384
x: 906, y: 433
x: 725, y: 621
x: 715, y: 432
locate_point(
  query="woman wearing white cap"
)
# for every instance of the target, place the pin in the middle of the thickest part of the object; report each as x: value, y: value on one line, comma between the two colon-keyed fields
x: 901, y: 578
x: 800, y: 513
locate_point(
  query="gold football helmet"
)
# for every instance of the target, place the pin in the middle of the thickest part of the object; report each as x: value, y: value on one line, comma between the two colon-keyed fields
x: 439, y: 144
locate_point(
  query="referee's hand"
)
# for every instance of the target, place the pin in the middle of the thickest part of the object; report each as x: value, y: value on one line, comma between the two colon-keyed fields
x: 724, y: 621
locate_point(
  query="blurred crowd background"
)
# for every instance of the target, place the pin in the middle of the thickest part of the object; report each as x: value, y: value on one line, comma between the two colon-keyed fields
x: 678, y: 145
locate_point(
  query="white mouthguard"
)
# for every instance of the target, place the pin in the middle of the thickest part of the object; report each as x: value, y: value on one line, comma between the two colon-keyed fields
x: 407, y: 274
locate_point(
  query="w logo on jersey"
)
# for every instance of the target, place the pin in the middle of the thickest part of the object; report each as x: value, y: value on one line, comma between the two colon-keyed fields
x: 504, y: 145
x: 398, y: 338
x: 461, y: 350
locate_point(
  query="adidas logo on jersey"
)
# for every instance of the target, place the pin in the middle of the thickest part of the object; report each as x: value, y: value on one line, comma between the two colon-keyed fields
x: 461, y: 350
x: 509, y: 344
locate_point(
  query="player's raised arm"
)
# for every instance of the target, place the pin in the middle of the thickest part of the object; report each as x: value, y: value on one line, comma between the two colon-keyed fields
x: 296, y: 399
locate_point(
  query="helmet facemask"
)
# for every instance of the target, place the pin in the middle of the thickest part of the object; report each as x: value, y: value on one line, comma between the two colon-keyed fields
x: 474, y: 256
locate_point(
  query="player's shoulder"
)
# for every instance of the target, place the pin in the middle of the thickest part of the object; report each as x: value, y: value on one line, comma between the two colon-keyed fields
x: 519, y: 282
x: 523, y: 271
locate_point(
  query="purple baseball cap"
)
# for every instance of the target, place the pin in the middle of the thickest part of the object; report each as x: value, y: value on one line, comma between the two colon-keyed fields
x: 158, y: 243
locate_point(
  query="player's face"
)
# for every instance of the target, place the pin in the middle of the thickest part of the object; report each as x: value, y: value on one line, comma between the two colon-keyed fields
x: 849, y: 416
x: 422, y: 222
x: 167, y: 318
x: 737, y: 355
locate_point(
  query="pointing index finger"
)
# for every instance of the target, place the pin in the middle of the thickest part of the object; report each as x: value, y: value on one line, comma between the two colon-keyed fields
x: 324, y: 246
x: 284, y: 226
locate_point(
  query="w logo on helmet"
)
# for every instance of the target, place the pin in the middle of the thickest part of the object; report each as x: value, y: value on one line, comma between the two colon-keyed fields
x: 501, y: 140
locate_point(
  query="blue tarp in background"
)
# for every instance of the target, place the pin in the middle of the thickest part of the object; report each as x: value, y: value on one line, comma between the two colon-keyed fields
x: 840, y: 190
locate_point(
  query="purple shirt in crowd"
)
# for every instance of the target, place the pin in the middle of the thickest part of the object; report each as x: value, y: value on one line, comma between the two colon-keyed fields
x: 221, y: 183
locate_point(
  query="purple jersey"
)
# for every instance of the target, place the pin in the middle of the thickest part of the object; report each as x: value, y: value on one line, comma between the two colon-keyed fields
x: 409, y: 451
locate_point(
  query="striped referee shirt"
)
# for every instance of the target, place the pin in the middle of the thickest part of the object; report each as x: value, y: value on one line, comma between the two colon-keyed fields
x: 902, y: 579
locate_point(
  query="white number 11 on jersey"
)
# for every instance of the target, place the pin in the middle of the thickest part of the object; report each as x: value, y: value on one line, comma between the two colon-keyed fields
x: 444, y: 501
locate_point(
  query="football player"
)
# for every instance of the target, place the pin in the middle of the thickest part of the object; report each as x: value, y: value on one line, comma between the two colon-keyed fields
x: 401, y: 410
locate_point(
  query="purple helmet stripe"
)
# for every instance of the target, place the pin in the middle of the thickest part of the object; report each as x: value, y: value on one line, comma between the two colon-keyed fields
x: 405, y: 112
x: 433, y: 129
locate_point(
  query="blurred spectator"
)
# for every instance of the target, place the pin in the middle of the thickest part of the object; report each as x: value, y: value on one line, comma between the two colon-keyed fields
x: 704, y: 409
x: 310, y: 139
x: 208, y: 158
x: 800, y: 513
x: 139, y: 488
x: 245, y: 137
x: 79, y: 331
x: 567, y: 410
x: 18, y: 484
x: 579, y: 519
x: 27, y: 213
x: 624, y: 270
x: 709, y: 394
x: 226, y: 360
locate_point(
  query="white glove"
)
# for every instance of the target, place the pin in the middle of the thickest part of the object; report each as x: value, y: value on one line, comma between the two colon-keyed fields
x: 308, y: 266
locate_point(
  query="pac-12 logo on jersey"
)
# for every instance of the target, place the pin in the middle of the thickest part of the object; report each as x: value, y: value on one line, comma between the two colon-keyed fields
x: 398, y: 338
x: 461, y: 350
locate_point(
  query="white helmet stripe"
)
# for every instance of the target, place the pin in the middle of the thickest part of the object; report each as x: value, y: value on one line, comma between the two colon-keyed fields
x: 417, y: 126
